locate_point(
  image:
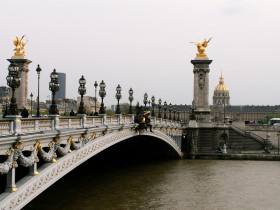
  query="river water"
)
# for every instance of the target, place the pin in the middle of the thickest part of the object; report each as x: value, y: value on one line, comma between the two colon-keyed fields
x: 166, y: 184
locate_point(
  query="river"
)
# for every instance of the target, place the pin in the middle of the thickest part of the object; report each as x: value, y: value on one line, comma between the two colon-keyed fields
x: 166, y: 184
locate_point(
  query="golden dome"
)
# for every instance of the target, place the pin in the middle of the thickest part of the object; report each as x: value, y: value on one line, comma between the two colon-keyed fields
x: 221, y: 87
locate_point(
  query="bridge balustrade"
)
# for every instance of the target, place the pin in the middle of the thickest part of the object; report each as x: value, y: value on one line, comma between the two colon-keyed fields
x: 6, y: 127
x: 93, y: 121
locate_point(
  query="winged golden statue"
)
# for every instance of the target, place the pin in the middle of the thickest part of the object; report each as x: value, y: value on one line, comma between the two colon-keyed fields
x: 19, y: 46
x: 201, y: 46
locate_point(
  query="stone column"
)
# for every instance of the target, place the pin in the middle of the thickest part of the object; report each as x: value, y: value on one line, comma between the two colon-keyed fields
x: 21, y: 93
x: 201, y: 88
x: 11, y: 181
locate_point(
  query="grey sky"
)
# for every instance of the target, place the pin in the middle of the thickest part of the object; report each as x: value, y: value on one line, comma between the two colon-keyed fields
x: 144, y: 44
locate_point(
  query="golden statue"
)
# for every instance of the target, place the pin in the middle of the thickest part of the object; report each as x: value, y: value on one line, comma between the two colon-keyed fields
x: 201, y: 46
x: 20, y: 46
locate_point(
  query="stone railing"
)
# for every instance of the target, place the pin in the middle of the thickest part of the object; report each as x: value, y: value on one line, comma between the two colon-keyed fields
x: 15, y: 125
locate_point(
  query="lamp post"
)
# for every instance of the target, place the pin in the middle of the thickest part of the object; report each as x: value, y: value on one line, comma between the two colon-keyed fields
x: 38, y: 69
x: 159, y: 108
x: 153, y: 105
x: 31, y: 96
x: 82, y: 91
x: 145, y: 101
x: 95, y: 86
x: 149, y: 104
x: 130, y: 98
x: 165, y: 109
x: 118, y: 97
x: 174, y: 113
x: 102, y: 94
x: 13, y: 82
x: 53, y: 87
x: 170, y: 110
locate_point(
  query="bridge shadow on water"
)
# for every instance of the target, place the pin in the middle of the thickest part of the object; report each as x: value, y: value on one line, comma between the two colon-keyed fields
x: 136, y: 152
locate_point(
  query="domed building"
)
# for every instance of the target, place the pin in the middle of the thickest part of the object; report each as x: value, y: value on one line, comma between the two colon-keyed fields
x: 220, y: 98
x: 221, y: 93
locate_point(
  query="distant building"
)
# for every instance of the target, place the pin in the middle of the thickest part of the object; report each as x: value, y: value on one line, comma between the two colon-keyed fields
x: 61, y: 94
x: 221, y: 93
x: 221, y: 108
x: 5, y: 91
x: 89, y: 103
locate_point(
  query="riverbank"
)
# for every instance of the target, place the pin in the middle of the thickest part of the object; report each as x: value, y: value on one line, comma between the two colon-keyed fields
x: 219, y: 156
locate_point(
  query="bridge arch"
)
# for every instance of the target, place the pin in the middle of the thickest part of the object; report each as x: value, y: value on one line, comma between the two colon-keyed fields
x: 30, y: 187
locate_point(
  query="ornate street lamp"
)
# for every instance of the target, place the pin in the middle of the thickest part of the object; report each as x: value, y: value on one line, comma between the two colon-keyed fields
x: 31, y: 96
x: 165, y: 109
x: 53, y: 87
x: 145, y: 101
x: 174, y: 113
x: 130, y: 98
x: 153, y: 105
x: 118, y: 97
x: 82, y: 91
x: 102, y: 94
x: 149, y: 104
x: 159, y: 107
x: 178, y: 116
x: 170, y: 110
x: 38, y: 101
x: 13, y: 81
x: 95, y: 86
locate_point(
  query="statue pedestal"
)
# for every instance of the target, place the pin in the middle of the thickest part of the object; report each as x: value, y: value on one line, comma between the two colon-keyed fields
x: 21, y: 93
x: 193, y: 124
x: 201, y: 88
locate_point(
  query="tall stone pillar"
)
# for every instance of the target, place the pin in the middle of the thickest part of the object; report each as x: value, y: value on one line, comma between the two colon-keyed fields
x: 21, y: 93
x: 201, y: 88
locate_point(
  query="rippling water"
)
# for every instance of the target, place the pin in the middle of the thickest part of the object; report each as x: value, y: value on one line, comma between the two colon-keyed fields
x: 169, y: 184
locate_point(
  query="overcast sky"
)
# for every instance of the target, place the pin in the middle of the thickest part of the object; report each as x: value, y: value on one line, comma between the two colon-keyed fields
x: 145, y: 44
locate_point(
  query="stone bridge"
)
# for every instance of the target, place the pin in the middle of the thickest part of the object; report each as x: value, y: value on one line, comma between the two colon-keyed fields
x: 49, y: 148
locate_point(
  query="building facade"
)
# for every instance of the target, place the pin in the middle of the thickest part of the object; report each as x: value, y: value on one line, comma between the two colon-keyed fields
x: 89, y: 103
x: 222, y: 110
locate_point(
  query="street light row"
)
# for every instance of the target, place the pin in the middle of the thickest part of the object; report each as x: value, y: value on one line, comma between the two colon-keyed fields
x: 13, y: 81
x: 166, y: 108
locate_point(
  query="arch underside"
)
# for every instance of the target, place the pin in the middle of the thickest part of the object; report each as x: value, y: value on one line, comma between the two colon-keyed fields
x: 31, y: 186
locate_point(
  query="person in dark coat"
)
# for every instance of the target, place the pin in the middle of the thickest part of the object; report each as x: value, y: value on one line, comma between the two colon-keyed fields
x: 24, y: 113
x: 72, y: 113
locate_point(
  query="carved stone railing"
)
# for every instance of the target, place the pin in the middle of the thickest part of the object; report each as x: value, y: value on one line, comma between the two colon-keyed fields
x: 5, y: 127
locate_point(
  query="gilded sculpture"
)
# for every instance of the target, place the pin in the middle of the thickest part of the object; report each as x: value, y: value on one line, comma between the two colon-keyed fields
x: 201, y: 46
x: 19, y: 45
